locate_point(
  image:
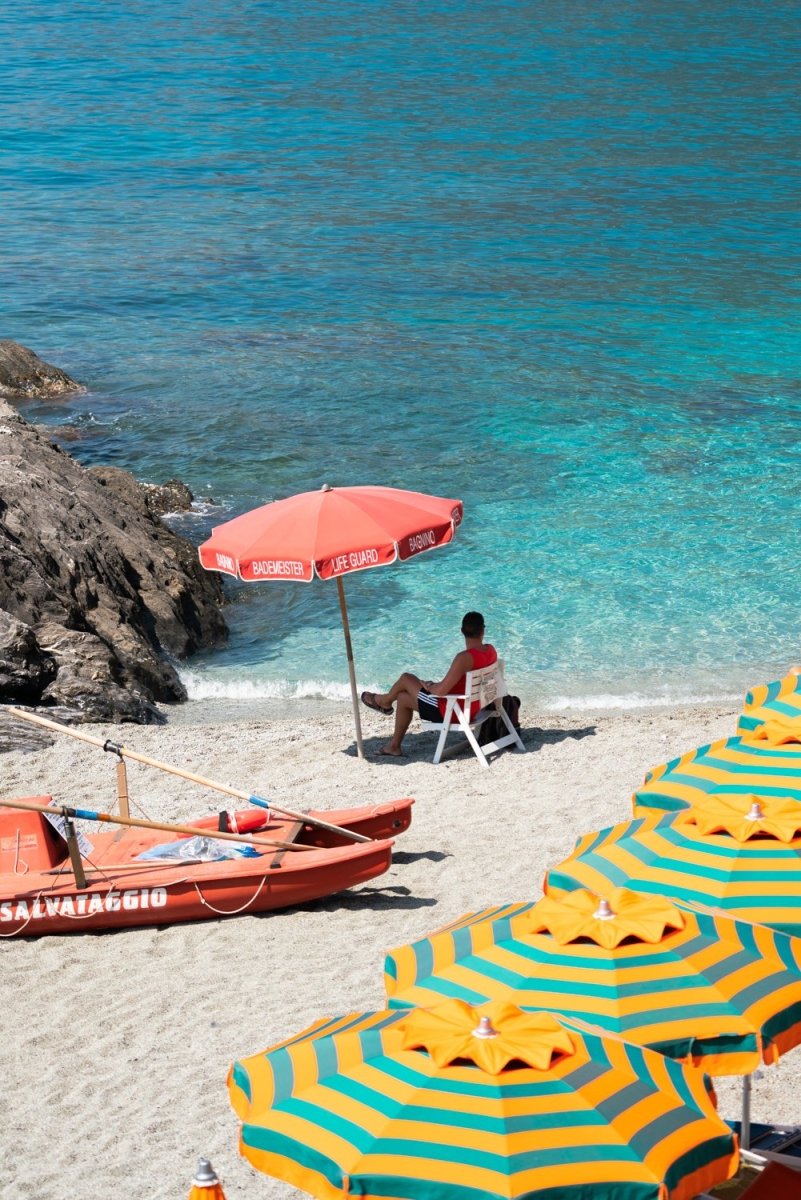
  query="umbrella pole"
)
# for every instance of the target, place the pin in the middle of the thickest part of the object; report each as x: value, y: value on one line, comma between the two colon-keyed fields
x: 745, y: 1123
x: 343, y: 608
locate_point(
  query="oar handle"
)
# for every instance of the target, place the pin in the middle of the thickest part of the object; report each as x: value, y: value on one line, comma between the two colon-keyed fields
x: 115, y: 748
x: 299, y: 816
x: 54, y: 725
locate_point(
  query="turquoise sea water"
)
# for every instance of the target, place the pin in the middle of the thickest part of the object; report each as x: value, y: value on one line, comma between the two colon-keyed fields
x: 543, y: 257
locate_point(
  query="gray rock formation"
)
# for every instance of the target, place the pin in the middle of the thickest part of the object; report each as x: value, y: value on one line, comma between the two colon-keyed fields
x: 97, y: 595
x: 23, y: 375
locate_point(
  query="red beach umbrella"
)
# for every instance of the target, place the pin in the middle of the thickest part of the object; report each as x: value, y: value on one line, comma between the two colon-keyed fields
x: 330, y: 533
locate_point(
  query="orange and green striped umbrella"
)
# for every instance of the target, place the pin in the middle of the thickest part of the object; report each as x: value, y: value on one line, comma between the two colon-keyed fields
x: 735, y: 853
x: 779, y: 701
x: 457, y: 1103
x: 736, y: 766
x: 687, y: 981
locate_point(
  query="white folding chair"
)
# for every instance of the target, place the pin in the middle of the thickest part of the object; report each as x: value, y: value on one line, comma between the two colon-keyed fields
x: 486, y: 686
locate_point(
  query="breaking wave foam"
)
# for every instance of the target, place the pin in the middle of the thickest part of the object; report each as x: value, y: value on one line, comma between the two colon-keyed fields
x: 217, y: 685
x: 608, y: 700
x: 205, y: 687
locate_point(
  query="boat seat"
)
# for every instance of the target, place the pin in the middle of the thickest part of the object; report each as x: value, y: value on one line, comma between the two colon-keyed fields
x: 292, y: 836
x: 28, y: 842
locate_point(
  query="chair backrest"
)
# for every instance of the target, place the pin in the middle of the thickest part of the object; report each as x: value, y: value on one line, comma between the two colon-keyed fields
x: 481, y: 685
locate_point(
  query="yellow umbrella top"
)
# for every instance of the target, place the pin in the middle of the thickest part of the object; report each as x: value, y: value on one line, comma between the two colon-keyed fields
x: 744, y: 817
x: 606, y: 921
x: 776, y: 730
x: 502, y: 1034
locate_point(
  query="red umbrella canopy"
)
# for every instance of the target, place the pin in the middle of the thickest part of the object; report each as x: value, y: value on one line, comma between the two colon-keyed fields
x: 332, y: 532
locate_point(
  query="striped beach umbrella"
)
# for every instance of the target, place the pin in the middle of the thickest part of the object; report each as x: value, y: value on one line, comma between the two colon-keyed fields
x: 458, y: 1103
x: 735, y: 853
x: 681, y: 979
x: 736, y: 766
x: 779, y: 701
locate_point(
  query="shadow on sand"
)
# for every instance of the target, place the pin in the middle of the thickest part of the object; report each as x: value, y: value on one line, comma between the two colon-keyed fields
x: 419, y: 747
x: 535, y: 739
x: 406, y: 856
x: 377, y: 899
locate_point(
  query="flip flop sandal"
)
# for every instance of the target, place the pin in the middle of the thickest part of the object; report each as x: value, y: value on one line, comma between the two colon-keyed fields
x: 368, y: 699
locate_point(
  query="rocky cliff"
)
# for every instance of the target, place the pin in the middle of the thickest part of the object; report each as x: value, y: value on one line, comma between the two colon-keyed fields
x: 98, y: 597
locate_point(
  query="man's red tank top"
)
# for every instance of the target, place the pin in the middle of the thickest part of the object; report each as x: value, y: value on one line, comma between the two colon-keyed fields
x: 483, y: 656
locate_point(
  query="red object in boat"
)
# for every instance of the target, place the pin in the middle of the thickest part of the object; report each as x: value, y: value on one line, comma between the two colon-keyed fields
x: 38, y: 894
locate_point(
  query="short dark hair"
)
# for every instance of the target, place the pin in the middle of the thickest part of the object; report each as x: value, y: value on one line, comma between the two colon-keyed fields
x: 472, y: 624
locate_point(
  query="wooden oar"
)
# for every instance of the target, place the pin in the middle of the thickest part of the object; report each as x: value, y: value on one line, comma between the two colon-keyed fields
x: 114, y: 748
x: 85, y: 814
x: 145, y: 865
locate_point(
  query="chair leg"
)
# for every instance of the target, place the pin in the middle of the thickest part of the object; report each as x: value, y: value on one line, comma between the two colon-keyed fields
x: 471, y: 737
x: 441, y: 743
x: 477, y: 749
x: 518, y: 741
x: 446, y: 724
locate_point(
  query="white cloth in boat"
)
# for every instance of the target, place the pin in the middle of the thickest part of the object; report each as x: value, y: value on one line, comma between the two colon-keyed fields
x: 197, y: 849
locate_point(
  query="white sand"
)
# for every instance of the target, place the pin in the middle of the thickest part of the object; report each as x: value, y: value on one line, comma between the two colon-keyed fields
x: 115, y: 1047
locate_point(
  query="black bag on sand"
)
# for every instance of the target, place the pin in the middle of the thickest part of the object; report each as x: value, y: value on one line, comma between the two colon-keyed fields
x: 494, y: 727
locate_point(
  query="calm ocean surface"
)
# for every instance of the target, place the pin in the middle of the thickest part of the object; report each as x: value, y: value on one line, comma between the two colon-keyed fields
x: 544, y: 257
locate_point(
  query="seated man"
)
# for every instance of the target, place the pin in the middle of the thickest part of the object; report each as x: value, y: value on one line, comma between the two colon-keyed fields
x: 410, y: 694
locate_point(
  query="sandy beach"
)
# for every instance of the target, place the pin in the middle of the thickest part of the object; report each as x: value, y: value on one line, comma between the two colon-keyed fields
x: 115, y: 1047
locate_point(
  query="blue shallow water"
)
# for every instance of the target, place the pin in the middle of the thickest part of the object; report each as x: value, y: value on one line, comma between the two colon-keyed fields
x: 541, y: 257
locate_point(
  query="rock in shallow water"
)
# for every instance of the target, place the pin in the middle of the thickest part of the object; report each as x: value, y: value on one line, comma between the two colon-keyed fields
x: 23, y: 375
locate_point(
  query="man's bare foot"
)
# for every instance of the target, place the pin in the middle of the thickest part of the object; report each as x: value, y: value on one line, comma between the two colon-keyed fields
x: 389, y: 751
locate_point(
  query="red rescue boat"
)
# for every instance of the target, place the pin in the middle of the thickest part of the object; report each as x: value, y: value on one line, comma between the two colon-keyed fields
x: 39, y: 895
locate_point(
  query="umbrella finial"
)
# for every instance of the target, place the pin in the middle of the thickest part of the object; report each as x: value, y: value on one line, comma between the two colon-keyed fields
x: 206, y: 1185
x: 755, y: 812
x: 604, y: 911
x: 326, y: 488
x: 485, y: 1029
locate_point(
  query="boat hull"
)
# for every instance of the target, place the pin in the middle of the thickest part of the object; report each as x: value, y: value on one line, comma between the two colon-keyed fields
x: 122, y: 892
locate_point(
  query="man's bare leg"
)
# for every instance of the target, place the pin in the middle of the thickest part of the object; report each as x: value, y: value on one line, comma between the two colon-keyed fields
x: 405, y: 684
x: 405, y: 708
